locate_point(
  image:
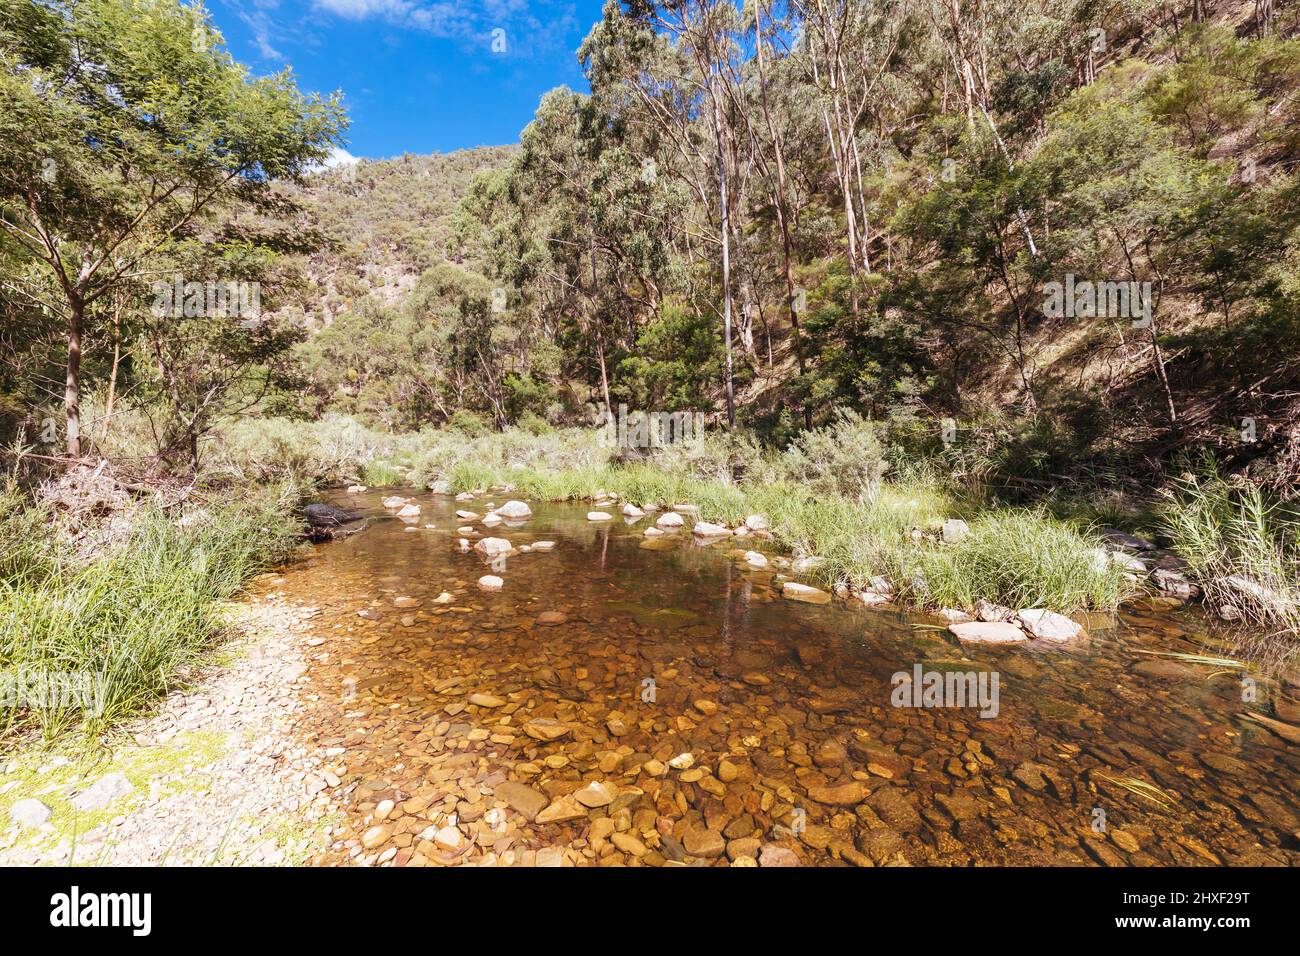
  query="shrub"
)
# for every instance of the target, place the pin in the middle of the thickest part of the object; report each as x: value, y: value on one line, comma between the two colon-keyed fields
x: 845, y: 458
x: 1240, y: 547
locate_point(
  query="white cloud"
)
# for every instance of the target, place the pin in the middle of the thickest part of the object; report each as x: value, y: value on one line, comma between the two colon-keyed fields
x: 339, y: 157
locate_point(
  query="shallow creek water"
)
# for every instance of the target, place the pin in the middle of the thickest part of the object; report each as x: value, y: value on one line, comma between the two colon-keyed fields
x: 1098, y: 754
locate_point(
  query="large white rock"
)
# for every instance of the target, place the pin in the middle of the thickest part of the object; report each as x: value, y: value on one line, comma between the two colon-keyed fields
x: 756, y: 522
x: 30, y: 813
x: 670, y: 519
x: 394, y: 501
x: 988, y: 632
x: 491, y: 520
x: 103, y: 792
x: 1048, y: 625
x: 756, y: 559
x: 490, y: 582
x: 632, y: 511
x: 599, y: 516
x: 466, y: 515
x: 493, y: 546
x: 708, y: 530
x: 409, y: 511
x: 543, y: 545
x: 514, y: 509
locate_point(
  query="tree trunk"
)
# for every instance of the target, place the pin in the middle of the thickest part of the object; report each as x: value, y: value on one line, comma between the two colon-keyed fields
x: 726, y: 254
x: 72, y: 383
x: 117, y: 361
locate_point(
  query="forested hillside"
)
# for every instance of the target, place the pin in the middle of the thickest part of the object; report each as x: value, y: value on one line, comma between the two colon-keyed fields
x: 869, y: 206
x: 1043, y: 240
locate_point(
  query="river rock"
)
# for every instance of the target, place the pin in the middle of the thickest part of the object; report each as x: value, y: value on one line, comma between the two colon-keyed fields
x: 1115, y: 539
x: 514, y: 510
x: 491, y: 547
x: 394, y: 501
x: 707, y: 530
x: 632, y: 511
x: 794, y: 591
x: 670, y: 519
x: 543, y: 545
x: 409, y: 511
x: 1048, y: 625
x: 595, y: 795
x: 545, y: 728
x: 522, y: 798
x: 30, y: 813
x: 988, y: 632
x: 102, y: 792
x: 486, y: 700
x: 562, y: 810
x: 992, y: 613
x: 599, y: 516
x: 490, y: 582
x: 893, y: 807
x: 704, y: 843
x: 1256, y: 593
x: 839, y: 795
x: 756, y: 522
x: 552, y: 618
x: 773, y: 854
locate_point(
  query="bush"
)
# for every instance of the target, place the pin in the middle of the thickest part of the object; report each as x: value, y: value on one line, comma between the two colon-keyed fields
x: 1240, y: 548
x: 845, y: 458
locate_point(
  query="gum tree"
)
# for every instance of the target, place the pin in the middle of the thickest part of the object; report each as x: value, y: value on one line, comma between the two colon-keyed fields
x: 123, y: 123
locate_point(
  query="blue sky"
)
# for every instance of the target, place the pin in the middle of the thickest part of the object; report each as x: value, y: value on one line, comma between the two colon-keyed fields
x: 417, y: 75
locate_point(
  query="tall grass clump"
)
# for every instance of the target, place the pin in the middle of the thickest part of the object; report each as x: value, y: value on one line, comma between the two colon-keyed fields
x: 1240, y: 547
x: 86, y: 642
x: 1019, y: 558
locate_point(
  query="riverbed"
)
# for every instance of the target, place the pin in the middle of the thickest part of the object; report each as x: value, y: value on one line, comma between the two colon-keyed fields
x: 626, y: 701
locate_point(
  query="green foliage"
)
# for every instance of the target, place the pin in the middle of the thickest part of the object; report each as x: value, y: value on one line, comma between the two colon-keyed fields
x: 1020, y: 559
x: 123, y: 626
x: 1241, y: 548
x: 845, y: 458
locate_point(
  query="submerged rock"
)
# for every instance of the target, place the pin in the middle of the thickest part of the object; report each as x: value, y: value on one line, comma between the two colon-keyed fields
x: 599, y: 516
x: 492, y: 547
x: 794, y: 591
x: 988, y: 632
x: 490, y: 582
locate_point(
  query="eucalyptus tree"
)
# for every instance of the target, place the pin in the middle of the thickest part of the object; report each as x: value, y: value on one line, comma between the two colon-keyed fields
x: 123, y: 124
